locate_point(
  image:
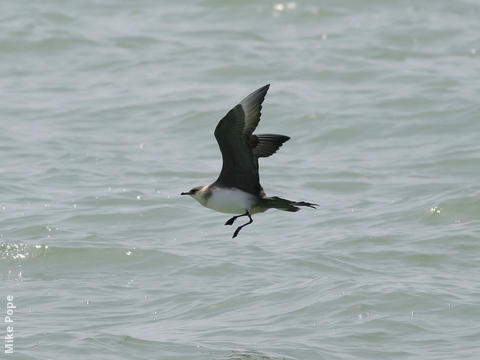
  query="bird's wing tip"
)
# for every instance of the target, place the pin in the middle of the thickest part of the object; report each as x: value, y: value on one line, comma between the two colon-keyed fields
x: 263, y: 89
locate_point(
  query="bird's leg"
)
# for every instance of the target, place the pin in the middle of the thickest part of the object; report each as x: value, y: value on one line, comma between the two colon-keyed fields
x: 232, y: 219
x: 240, y: 227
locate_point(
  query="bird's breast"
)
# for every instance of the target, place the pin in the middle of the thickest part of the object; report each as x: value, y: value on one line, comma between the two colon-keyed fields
x: 229, y: 200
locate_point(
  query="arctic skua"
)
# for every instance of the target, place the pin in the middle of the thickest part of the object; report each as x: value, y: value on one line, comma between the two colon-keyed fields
x: 237, y: 189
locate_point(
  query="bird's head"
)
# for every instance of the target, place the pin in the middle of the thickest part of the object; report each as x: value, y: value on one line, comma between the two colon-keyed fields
x: 195, y: 192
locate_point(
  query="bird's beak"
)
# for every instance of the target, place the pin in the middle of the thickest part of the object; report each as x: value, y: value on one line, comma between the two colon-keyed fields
x: 185, y: 193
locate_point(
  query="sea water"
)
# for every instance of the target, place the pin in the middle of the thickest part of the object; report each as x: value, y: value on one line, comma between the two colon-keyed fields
x: 107, y: 113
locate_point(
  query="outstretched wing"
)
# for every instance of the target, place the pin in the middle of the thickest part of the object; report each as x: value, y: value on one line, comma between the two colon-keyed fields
x: 233, y: 134
x: 264, y: 145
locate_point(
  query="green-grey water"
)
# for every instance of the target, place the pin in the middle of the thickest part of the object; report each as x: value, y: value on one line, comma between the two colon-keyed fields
x: 107, y: 114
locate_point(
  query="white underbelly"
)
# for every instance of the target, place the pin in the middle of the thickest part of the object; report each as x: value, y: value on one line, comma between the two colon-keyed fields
x: 230, y: 201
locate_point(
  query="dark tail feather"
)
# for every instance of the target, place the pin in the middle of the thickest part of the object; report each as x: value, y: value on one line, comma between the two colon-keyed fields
x: 286, y: 205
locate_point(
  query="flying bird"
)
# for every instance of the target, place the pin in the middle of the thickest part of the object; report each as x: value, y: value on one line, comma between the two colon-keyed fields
x: 237, y: 189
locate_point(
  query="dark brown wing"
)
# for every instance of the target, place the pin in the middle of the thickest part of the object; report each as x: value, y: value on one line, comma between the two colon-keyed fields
x: 233, y: 134
x: 264, y: 145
